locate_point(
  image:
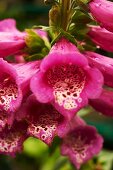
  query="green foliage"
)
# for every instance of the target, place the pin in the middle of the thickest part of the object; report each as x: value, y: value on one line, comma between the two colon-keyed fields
x: 37, y: 47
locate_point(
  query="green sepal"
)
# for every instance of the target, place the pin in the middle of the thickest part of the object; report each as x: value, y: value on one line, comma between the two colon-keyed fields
x: 37, y: 47
x: 33, y: 40
x: 81, y: 17
x: 66, y: 35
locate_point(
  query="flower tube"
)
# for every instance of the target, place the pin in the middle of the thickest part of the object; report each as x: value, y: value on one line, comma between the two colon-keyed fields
x: 104, y: 64
x: 101, y: 37
x: 66, y: 80
x: 102, y: 11
x: 104, y: 103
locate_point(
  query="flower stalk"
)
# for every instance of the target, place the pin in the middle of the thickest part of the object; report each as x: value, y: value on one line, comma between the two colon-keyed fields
x: 65, y: 5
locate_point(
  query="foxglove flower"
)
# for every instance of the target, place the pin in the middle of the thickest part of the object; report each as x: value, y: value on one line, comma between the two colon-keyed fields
x: 104, y: 64
x: 102, y: 11
x: 44, y: 121
x: 101, y: 37
x: 12, y: 41
x: 14, y: 83
x: 66, y: 80
x: 11, y: 140
x: 104, y: 103
x: 81, y: 144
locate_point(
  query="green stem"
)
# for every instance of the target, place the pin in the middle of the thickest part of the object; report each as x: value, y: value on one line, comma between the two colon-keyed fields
x: 65, y: 6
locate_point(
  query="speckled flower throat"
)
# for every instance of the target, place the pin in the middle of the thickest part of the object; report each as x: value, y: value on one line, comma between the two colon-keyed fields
x: 8, y: 91
x: 68, y: 82
x: 79, y: 147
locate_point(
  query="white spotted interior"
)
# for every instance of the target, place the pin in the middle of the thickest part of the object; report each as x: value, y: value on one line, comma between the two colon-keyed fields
x: 68, y: 82
x: 45, y: 126
x: 8, y: 91
x: 10, y: 143
x: 78, y: 146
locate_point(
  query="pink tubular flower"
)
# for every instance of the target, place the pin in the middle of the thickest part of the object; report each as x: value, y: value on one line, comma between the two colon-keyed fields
x: 101, y: 37
x: 44, y: 121
x: 104, y: 103
x: 104, y: 64
x: 12, y: 41
x: 14, y: 83
x: 81, y: 144
x: 11, y: 140
x: 66, y: 80
x: 102, y: 11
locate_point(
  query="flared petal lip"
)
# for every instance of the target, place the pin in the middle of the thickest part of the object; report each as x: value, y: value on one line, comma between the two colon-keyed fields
x: 40, y: 88
x: 69, y: 114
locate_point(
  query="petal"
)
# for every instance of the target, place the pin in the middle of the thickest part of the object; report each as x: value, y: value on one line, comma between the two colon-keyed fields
x: 8, y: 25
x: 10, y: 43
x: 104, y: 103
x: 102, y: 11
x: 40, y: 88
x: 101, y: 37
x: 81, y: 144
x: 93, y: 86
x: 104, y: 64
x: 66, y: 112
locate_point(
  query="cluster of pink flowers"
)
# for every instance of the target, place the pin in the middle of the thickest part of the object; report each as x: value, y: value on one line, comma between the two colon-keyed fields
x: 41, y: 98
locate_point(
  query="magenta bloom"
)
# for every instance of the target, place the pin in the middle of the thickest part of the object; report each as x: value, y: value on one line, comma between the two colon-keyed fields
x: 104, y: 64
x: 102, y: 11
x: 81, y: 144
x: 101, y: 37
x: 14, y: 83
x: 44, y: 121
x: 66, y: 80
x: 11, y: 140
x: 12, y: 41
x: 104, y: 103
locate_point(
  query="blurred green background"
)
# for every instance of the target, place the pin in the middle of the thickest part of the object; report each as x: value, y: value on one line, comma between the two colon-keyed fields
x: 26, y: 12
x: 36, y: 155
